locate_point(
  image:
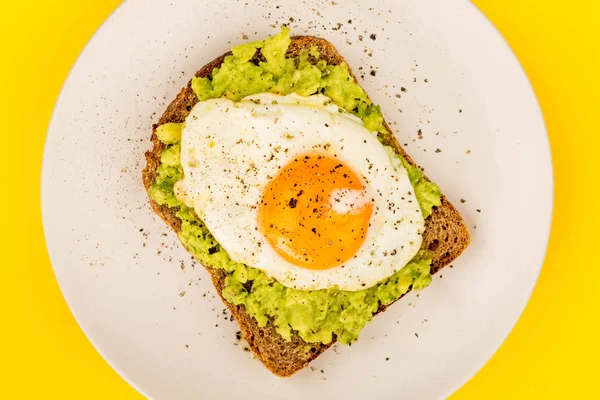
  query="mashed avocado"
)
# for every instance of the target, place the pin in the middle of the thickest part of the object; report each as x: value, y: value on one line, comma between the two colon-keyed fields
x: 319, y: 314
x: 238, y: 77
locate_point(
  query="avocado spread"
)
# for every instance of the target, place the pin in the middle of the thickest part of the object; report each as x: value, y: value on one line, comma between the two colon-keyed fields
x: 316, y: 315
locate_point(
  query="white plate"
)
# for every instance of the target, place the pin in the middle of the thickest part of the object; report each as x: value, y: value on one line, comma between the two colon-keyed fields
x: 125, y: 286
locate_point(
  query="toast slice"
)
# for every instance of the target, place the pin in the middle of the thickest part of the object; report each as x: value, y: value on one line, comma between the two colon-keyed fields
x: 446, y: 235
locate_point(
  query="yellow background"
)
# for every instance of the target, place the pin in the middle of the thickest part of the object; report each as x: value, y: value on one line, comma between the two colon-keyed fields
x: 552, y: 353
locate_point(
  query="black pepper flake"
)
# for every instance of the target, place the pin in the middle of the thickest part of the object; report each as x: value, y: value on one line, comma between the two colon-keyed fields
x: 438, y: 150
x: 373, y: 72
x: 416, y: 334
x: 213, y: 250
x: 293, y: 203
x: 387, y: 359
x: 373, y: 36
x: 463, y: 201
x: 478, y: 210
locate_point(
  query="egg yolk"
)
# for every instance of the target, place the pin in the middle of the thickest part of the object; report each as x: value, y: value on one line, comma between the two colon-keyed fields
x: 315, y: 212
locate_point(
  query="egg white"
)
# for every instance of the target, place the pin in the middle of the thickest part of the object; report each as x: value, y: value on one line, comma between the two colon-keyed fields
x: 230, y: 151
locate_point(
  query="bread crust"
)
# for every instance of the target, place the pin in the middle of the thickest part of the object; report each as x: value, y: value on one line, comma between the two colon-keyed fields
x: 446, y: 234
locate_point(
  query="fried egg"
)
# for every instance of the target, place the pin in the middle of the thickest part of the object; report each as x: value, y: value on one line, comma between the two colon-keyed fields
x: 300, y: 189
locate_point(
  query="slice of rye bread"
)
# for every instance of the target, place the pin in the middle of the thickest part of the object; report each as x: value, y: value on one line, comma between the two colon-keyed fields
x: 446, y: 234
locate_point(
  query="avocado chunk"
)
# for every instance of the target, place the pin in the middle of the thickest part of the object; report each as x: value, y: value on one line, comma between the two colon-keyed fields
x: 169, y: 133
